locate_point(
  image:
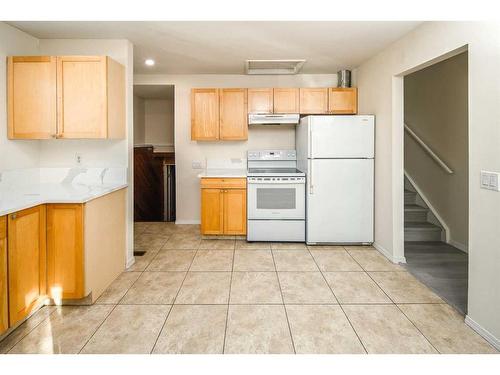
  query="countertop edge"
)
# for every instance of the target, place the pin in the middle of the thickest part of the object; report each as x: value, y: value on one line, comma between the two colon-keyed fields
x: 62, y: 201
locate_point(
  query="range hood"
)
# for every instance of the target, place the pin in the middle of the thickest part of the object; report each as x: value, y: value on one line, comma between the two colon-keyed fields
x: 273, y: 119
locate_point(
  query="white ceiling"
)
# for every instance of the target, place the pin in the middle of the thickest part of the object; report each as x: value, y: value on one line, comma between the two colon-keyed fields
x: 222, y: 47
x: 154, y: 91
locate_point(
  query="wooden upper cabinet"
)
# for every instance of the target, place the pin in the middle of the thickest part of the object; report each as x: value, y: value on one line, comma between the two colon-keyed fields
x: 65, y: 97
x: 65, y: 263
x: 4, y: 302
x: 26, y: 261
x: 343, y: 100
x: 204, y: 114
x: 313, y: 100
x: 31, y: 97
x: 91, y: 97
x: 233, y: 119
x: 286, y: 100
x: 260, y: 100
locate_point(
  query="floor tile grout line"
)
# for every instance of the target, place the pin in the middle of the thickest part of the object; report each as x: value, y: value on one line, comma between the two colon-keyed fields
x: 228, y: 300
x: 343, y: 311
x: 97, y: 328
x: 27, y: 333
x: 283, y: 304
x: 395, y: 304
x: 172, y: 305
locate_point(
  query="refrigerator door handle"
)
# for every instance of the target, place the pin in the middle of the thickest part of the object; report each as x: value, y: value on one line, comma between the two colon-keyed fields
x: 310, y: 141
x: 311, y: 186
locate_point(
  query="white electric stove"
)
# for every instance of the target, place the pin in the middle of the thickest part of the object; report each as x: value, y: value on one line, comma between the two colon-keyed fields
x: 275, y: 197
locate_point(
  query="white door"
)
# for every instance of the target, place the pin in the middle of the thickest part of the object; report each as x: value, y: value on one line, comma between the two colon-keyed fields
x: 340, y: 201
x: 341, y: 137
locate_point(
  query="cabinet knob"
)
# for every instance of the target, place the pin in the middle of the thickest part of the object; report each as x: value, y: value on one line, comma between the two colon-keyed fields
x: 13, y: 216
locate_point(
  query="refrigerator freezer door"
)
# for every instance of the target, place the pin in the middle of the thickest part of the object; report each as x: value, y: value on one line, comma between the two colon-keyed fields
x: 340, y: 201
x: 341, y: 137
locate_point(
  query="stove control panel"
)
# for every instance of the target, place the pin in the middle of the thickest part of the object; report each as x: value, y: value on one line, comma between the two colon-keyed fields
x: 272, y: 155
x: 276, y: 180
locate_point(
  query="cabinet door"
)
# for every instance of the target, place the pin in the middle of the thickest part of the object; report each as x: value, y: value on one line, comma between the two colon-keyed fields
x: 82, y: 97
x: 4, y: 305
x: 343, y: 100
x: 235, y: 211
x: 204, y: 114
x: 31, y: 97
x: 65, y: 251
x: 286, y: 100
x: 260, y: 100
x: 233, y: 114
x: 211, y: 211
x: 26, y: 261
x: 314, y: 100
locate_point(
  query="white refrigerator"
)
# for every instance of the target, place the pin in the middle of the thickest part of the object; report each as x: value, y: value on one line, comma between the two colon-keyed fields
x: 337, y: 154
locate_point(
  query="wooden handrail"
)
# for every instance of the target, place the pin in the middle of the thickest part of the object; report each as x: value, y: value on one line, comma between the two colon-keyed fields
x: 427, y: 149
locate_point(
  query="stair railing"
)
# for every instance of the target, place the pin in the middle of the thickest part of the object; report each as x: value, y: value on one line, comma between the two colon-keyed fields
x: 429, y: 151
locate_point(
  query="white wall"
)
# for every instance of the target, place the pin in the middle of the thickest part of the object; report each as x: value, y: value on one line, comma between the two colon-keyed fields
x: 187, y: 183
x: 380, y: 92
x: 14, y: 154
x: 96, y: 153
x: 159, y: 122
x: 435, y: 107
x: 139, y: 121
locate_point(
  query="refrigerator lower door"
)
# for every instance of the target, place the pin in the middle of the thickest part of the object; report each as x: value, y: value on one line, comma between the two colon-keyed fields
x: 340, y: 201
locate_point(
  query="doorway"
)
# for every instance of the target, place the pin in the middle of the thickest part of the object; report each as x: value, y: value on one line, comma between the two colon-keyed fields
x: 436, y: 177
x: 154, y: 153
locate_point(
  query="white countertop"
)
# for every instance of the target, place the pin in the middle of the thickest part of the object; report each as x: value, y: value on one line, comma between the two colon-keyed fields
x: 34, y: 195
x: 28, y: 188
x: 223, y: 172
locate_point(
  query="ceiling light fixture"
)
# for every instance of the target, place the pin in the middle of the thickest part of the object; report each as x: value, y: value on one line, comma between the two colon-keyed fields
x: 149, y: 62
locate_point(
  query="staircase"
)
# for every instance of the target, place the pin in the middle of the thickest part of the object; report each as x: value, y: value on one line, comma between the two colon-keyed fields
x: 418, y: 217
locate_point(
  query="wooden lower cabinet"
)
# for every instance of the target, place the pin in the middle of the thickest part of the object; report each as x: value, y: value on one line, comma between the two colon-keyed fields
x: 235, y: 211
x: 223, y: 206
x: 4, y: 303
x: 26, y: 261
x: 65, y: 263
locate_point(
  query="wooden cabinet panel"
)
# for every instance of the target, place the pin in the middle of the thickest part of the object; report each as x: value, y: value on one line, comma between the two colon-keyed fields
x: 82, y: 97
x: 260, y: 100
x: 204, y: 114
x: 65, y: 279
x: 4, y: 303
x: 211, y: 211
x: 26, y: 261
x: 286, y: 100
x: 235, y: 213
x: 31, y: 97
x: 224, y: 183
x: 233, y: 119
x: 343, y: 100
x: 313, y: 100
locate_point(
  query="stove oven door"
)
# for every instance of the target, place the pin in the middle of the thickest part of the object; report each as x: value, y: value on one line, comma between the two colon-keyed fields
x: 268, y: 200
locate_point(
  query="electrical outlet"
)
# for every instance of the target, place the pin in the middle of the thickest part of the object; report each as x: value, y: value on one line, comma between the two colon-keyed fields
x: 78, y: 158
x: 489, y: 180
x: 196, y: 164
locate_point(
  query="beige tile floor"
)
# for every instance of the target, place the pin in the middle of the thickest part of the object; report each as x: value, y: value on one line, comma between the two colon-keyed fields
x: 194, y: 295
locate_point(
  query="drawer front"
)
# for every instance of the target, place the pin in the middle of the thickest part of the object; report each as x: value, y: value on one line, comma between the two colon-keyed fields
x: 223, y: 183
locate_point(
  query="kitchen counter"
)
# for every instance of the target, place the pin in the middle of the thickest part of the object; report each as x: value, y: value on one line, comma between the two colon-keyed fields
x: 223, y: 173
x: 28, y: 188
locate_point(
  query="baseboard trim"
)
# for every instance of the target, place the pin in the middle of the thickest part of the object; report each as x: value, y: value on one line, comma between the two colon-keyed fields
x: 388, y: 255
x: 187, y: 222
x: 459, y: 246
x: 130, y: 262
x: 484, y: 333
